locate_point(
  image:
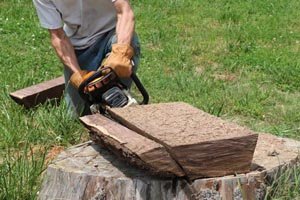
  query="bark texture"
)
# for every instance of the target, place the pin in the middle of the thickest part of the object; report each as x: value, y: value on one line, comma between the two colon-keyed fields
x: 40, y: 93
x: 130, y: 146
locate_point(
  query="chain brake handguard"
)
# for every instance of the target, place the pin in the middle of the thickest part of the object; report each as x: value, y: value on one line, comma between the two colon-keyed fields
x: 96, y: 85
x: 106, y: 89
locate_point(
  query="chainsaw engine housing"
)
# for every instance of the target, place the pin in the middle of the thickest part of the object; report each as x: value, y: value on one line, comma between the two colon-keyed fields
x: 115, y: 97
x: 104, y: 88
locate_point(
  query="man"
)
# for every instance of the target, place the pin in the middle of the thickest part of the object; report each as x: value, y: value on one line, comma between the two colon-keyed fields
x: 84, y: 33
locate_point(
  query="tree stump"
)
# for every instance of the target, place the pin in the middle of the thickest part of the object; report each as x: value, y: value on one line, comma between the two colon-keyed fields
x: 89, y: 171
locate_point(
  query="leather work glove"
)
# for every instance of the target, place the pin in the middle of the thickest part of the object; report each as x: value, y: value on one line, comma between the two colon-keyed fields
x: 78, y: 77
x: 120, y: 60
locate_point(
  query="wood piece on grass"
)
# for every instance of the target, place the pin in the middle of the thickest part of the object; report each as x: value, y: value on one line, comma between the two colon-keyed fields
x: 89, y: 171
x: 40, y: 93
x: 204, y: 145
x: 131, y: 146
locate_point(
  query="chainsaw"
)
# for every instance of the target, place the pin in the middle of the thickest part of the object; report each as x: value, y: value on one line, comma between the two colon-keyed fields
x: 105, y: 89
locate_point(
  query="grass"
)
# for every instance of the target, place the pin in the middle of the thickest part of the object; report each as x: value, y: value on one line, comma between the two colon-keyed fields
x: 286, y: 185
x: 235, y: 59
x: 20, y: 174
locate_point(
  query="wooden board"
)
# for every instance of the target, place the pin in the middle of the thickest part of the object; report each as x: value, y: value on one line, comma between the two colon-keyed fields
x: 89, y: 171
x: 131, y: 146
x: 40, y: 93
x: 204, y: 145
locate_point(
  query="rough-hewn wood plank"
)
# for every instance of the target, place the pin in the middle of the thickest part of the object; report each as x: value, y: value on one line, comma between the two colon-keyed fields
x: 131, y: 146
x: 40, y: 93
x: 89, y: 171
x: 204, y: 145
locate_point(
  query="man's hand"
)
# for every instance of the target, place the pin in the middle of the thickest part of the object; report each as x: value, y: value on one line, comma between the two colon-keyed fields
x: 78, y: 77
x: 120, y: 60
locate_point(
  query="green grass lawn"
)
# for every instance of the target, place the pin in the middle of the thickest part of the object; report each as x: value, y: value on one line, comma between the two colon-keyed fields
x: 235, y: 59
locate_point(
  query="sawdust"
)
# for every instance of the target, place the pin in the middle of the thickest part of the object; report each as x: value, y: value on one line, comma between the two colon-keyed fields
x: 52, y: 154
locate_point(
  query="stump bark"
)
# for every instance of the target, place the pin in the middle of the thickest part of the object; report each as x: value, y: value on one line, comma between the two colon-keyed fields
x: 89, y: 171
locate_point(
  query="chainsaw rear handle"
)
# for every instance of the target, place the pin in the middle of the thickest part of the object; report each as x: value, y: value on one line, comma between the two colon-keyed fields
x: 99, y: 73
x: 82, y: 86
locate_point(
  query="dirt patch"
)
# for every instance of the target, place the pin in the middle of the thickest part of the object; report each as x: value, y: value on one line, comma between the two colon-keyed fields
x: 225, y: 77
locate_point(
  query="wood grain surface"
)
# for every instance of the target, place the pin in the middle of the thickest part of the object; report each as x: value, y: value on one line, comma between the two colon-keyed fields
x: 202, y: 144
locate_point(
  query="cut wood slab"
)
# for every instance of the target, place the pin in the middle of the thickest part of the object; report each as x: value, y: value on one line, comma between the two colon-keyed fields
x: 202, y: 144
x: 40, y: 93
x: 89, y: 171
x: 132, y: 147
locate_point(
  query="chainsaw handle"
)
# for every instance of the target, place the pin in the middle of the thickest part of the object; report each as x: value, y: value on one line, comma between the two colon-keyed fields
x: 141, y: 88
x: 97, y: 74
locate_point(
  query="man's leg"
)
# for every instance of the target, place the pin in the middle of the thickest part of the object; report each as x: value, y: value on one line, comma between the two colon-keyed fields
x: 75, y: 104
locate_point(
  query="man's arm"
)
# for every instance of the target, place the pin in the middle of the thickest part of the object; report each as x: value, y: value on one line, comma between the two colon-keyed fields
x: 122, y: 52
x: 50, y: 18
x: 64, y: 49
x: 125, y: 23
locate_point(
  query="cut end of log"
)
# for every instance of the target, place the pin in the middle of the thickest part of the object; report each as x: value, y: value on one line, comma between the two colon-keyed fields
x: 217, y: 158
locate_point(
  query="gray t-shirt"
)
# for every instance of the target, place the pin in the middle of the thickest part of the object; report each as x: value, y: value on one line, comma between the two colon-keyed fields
x: 83, y: 21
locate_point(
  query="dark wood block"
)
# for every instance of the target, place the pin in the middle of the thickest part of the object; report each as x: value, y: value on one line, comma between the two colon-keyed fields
x: 40, y: 93
x: 204, y: 145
